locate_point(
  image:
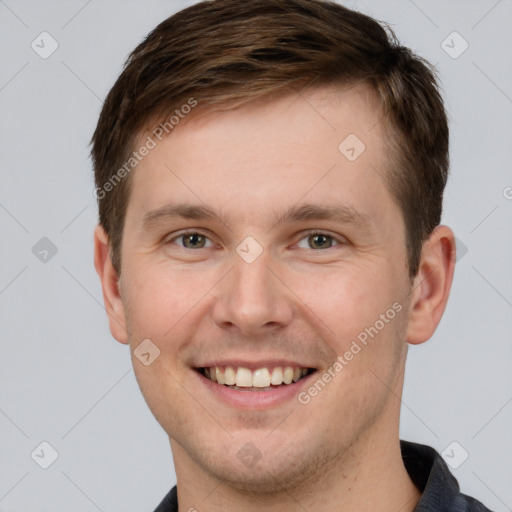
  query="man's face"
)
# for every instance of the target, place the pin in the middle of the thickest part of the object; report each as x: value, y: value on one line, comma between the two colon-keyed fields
x: 274, y: 282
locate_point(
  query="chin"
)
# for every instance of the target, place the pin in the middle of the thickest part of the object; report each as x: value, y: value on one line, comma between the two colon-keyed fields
x: 265, y: 480
x: 275, y: 472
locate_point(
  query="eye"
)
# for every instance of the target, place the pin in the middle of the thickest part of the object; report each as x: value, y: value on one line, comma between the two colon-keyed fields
x: 317, y: 241
x: 192, y: 240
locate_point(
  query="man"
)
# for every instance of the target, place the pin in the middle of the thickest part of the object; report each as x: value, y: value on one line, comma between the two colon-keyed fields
x: 270, y: 178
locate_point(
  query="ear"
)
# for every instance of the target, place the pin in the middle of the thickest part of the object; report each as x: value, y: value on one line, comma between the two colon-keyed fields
x: 110, y: 285
x: 431, y: 287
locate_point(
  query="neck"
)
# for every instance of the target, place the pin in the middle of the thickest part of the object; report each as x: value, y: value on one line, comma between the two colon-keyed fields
x: 370, y: 475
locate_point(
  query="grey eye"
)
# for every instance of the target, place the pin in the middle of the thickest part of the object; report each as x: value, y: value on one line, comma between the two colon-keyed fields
x: 318, y: 241
x: 193, y: 240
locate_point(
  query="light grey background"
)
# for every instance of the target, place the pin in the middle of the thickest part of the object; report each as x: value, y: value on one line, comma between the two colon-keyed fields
x: 64, y: 380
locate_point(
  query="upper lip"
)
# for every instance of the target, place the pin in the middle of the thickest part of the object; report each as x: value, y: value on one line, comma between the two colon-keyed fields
x: 253, y: 365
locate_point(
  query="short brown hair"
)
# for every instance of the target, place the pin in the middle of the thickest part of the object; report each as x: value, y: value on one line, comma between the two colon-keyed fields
x: 227, y: 52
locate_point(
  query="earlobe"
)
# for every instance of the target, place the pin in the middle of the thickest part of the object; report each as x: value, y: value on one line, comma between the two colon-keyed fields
x: 431, y: 287
x: 110, y: 285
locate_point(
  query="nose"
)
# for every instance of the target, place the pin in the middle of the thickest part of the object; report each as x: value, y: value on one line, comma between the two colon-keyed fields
x: 252, y: 300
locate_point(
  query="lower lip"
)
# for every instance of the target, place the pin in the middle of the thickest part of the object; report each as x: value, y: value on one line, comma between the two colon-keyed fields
x: 255, y: 399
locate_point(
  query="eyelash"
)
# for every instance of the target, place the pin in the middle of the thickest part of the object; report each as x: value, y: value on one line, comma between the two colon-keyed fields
x: 308, y: 234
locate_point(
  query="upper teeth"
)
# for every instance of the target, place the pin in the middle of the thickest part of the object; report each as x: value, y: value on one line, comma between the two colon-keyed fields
x: 259, y: 378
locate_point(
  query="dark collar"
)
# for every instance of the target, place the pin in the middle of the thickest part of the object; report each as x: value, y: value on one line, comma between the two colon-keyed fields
x: 428, y: 471
x: 439, y: 488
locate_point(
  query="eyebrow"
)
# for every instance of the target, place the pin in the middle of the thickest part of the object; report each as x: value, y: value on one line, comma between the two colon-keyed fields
x: 183, y: 211
x: 305, y: 212
x: 341, y: 214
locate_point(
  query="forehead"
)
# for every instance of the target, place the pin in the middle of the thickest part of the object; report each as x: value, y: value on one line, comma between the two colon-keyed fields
x: 324, y: 146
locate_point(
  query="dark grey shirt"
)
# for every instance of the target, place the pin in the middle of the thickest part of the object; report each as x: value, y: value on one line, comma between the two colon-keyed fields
x: 428, y: 471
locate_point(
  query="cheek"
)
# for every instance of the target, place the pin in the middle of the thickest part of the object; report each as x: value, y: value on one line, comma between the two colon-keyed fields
x: 161, y: 297
x: 161, y: 385
x: 347, y: 300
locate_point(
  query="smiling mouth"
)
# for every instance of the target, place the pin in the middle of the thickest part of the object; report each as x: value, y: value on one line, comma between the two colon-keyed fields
x: 261, y: 379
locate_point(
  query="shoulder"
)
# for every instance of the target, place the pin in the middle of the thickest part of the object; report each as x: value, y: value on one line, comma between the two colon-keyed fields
x: 463, y: 503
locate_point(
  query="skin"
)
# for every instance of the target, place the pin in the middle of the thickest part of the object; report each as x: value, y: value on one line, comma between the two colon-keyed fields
x: 297, y: 301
